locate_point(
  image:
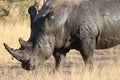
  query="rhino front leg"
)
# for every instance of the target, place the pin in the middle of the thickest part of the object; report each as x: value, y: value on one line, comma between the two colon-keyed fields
x: 59, y: 59
x: 86, y: 50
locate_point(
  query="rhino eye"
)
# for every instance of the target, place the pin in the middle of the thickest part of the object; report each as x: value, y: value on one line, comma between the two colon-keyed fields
x: 51, y: 15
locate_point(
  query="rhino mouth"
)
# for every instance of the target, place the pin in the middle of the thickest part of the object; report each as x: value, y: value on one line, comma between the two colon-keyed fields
x: 27, y: 66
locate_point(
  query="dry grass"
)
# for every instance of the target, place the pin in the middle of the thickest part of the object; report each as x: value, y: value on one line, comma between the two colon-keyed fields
x: 107, y: 63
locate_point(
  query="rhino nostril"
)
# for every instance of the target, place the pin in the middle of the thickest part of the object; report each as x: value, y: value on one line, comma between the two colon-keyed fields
x: 33, y: 67
x: 26, y: 65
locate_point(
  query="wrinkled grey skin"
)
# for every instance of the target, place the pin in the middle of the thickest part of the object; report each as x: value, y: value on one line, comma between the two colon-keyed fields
x: 55, y: 30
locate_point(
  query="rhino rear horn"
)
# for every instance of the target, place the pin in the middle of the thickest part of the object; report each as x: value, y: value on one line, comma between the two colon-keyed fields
x: 15, y: 53
x: 24, y: 44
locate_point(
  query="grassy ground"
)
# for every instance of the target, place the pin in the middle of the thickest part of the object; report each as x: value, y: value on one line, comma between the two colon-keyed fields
x: 106, y: 62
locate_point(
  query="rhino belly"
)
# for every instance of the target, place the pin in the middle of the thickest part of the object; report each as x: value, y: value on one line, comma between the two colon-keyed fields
x: 108, y: 39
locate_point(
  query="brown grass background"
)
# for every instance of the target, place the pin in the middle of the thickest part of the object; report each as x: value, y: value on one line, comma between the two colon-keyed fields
x: 106, y: 62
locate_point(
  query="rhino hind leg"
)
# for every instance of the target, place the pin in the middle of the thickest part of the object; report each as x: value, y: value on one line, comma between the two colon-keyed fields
x: 86, y: 50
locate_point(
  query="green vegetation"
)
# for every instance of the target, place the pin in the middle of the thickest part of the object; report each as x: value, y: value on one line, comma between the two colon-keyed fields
x: 4, y: 12
x: 8, y: 7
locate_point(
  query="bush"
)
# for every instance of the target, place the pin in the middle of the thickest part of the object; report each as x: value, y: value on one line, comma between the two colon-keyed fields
x: 8, y: 5
x: 4, y: 12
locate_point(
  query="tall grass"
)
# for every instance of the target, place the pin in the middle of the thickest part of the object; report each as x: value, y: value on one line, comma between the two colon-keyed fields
x: 106, y: 63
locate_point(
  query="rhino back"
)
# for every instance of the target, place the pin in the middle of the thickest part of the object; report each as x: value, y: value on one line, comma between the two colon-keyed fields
x: 101, y: 18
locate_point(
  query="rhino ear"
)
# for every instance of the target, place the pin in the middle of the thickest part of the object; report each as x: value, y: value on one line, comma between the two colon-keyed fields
x: 33, y: 12
x: 15, y: 53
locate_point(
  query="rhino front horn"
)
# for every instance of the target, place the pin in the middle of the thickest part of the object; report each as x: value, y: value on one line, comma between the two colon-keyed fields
x: 15, y: 53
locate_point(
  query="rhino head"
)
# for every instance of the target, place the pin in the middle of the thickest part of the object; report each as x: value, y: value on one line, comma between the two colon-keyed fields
x: 41, y: 43
x: 30, y: 57
x: 21, y: 54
